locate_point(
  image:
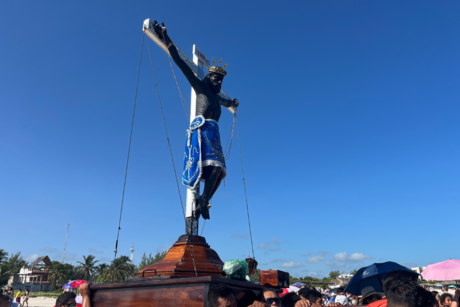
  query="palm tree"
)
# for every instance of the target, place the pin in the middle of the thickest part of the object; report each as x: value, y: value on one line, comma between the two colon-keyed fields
x: 87, y: 267
x: 3, y: 256
x: 16, y: 262
x: 118, y: 270
x: 101, y: 271
x: 58, y: 274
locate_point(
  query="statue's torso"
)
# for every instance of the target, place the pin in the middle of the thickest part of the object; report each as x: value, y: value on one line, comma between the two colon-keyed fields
x: 207, y: 104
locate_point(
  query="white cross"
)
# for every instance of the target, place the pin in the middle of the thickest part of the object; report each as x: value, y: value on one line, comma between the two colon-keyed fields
x: 197, y: 66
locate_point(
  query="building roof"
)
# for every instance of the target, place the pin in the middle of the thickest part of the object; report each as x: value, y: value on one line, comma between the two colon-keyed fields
x: 46, y: 260
x: 340, y: 281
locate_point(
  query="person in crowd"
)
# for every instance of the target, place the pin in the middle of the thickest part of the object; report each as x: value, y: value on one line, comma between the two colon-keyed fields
x: 370, y: 295
x: 446, y: 300
x: 407, y: 293
x: 389, y: 279
x: 267, y: 297
x: 456, y: 299
x: 18, y: 297
x: 325, y: 300
x: 353, y: 300
x: 66, y: 299
x: 312, y: 296
x: 11, y: 295
x: 291, y: 299
x: 26, y: 298
x: 332, y: 297
x: 341, y: 298
x: 437, y: 297
x: 252, y: 268
x: 220, y: 296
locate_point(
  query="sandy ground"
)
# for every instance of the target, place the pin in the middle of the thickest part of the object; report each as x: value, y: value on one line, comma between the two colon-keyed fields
x: 41, y: 302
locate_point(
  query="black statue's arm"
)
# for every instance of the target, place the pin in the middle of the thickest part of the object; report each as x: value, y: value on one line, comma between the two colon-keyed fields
x: 225, y: 102
x: 229, y: 102
x: 186, y: 70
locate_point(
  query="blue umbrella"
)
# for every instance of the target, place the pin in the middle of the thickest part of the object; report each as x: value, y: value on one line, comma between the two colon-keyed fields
x: 371, y: 276
x: 298, y: 284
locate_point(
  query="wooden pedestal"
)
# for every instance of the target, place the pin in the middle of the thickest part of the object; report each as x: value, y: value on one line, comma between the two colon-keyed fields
x: 169, y: 292
x: 172, y: 282
x: 189, y: 256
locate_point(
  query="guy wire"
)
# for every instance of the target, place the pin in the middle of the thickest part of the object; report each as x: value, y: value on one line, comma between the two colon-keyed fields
x: 166, y: 130
x: 244, y: 184
x: 182, y: 100
x: 129, y: 148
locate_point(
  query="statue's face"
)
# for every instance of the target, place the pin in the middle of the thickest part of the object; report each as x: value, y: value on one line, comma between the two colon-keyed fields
x: 215, y: 82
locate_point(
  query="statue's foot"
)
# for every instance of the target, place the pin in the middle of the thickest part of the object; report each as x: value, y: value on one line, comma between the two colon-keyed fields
x: 202, y: 208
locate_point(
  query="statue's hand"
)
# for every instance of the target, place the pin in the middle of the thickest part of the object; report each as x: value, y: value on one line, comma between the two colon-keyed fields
x: 235, y: 103
x: 158, y: 29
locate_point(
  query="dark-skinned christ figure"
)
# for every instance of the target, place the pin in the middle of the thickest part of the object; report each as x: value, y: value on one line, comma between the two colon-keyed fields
x: 203, y: 156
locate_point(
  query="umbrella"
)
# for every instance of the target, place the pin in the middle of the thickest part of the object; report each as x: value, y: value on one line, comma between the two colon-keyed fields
x: 446, y: 270
x: 298, y: 284
x: 439, y: 286
x: 74, y: 284
x: 452, y: 286
x: 371, y: 276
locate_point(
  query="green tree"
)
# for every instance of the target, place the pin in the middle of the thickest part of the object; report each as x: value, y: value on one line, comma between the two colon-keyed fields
x: 159, y: 256
x: 101, y: 270
x: 87, y: 267
x: 354, y: 272
x: 256, y: 276
x: 16, y: 262
x: 58, y: 274
x: 334, y: 274
x: 145, y: 261
x: 119, y: 269
x: 3, y: 256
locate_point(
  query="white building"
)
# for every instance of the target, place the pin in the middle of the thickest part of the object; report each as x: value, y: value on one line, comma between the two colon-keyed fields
x: 34, y: 278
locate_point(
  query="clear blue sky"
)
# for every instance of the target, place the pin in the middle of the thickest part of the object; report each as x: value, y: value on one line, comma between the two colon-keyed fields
x: 349, y: 122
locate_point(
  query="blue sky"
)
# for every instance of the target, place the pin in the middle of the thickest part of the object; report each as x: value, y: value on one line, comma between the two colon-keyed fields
x: 349, y: 123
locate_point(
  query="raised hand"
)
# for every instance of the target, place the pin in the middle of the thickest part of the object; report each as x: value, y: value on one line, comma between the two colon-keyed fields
x: 84, y: 289
x: 158, y: 29
x: 235, y: 103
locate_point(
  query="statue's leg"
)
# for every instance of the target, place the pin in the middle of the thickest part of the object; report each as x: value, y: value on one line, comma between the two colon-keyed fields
x: 211, y: 184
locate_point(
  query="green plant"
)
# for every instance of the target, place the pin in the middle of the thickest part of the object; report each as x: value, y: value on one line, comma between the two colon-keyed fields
x: 87, y: 267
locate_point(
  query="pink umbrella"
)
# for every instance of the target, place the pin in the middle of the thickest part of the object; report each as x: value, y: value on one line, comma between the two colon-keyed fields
x: 446, y: 270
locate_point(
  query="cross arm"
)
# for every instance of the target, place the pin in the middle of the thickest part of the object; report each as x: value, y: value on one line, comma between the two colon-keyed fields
x: 150, y: 32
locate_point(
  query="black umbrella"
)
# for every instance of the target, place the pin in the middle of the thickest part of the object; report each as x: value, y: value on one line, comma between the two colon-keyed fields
x: 371, y: 276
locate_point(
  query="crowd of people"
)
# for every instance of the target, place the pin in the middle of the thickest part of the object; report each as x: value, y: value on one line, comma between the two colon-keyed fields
x: 15, y: 299
x: 400, y: 289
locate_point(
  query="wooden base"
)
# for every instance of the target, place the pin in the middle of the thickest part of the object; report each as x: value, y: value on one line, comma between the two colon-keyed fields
x: 189, y: 256
x: 169, y: 292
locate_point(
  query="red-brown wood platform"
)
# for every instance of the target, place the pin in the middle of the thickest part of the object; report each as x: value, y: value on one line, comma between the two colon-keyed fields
x: 182, y: 278
x: 169, y: 292
x: 189, y: 256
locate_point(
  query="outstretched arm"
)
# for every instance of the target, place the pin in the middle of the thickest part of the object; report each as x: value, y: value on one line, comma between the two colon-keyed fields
x: 229, y: 102
x: 186, y: 70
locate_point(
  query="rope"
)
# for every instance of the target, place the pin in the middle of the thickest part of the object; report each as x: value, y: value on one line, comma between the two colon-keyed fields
x: 182, y: 100
x: 129, y: 148
x: 230, y: 138
x: 244, y: 183
x: 166, y: 130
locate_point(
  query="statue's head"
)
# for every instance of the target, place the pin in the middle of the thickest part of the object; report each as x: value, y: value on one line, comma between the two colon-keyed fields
x: 216, y: 76
x: 215, y: 81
